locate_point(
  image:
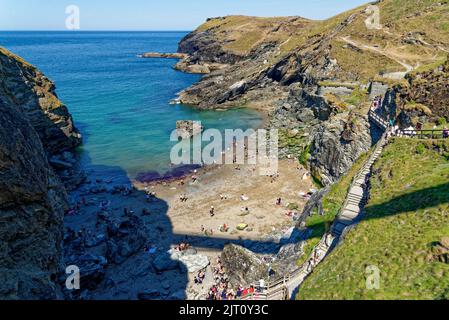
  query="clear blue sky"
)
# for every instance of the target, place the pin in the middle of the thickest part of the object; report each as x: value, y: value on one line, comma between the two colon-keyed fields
x: 155, y: 14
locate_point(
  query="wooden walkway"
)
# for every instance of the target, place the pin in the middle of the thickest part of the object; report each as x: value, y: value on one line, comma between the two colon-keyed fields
x: 424, y: 134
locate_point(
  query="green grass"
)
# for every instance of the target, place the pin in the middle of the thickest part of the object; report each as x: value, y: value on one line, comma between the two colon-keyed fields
x: 304, y: 157
x: 294, y: 143
x: 440, y: 61
x: 407, y: 214
x: 332, y: 203
x: 365, y: 64
x: 357, y: 97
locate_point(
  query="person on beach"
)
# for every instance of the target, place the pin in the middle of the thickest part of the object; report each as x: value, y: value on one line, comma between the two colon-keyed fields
x: 212, y: 211
x: 279, y: 201
x: 224, y: 228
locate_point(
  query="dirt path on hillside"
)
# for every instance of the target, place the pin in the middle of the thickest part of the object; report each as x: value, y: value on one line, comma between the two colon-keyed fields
x: 388, y: 54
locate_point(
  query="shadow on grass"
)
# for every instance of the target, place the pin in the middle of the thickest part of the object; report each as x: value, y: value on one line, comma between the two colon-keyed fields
x: 410, y: 202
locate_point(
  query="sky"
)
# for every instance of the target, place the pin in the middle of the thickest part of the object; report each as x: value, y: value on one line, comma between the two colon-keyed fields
x: 155, y: 14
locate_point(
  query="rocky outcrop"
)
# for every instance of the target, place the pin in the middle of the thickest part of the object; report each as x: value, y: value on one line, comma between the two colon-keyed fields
x: 165, y: 55
x: 429, y: 89
x: 203, y: 47
x: 440, y: 251
x: 337, y: 144
x: 25, y: 87
x: 377, y: 89
x: 242, y: 266
x: 125, y: 239
x: 32, y: 205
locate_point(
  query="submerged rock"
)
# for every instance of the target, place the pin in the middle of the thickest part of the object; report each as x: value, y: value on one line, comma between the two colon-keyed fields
x: 164, y: 55
x: 187, y: 129
x: 149, y: 295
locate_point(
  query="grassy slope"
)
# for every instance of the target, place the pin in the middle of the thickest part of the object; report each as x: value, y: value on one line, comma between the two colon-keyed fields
x: 241, y: 34
x: 430, y: 18
x: 407, y: 212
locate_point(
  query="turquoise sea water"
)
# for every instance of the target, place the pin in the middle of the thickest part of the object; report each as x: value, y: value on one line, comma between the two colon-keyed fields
x: 119, y: 101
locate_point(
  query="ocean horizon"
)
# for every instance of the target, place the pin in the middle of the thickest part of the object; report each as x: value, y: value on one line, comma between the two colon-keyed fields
x: 120, y: 102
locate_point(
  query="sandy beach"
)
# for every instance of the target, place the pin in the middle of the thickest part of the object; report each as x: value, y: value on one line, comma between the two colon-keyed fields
x: 168, y: 220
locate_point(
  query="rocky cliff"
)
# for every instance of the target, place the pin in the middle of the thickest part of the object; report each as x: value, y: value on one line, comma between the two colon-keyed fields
x: 25, y: 87
x: 425, y: 96
x: 34, y: 124
x: 32, y: 204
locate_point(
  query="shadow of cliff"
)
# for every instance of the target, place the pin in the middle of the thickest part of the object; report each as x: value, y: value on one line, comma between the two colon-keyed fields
x: 409, y: 202
x: 150, y: 275
x: 135, y: 273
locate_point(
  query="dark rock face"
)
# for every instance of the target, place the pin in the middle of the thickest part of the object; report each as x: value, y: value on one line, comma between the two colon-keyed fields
x: 125, y: 239
x: 34, y: 124
x: 164, y: 262
x: 337, y: 144
x: 32, y: 204
x: 429, y: 88
x: 27, y: 88
x: 92, y: 269
x: 303, y: 107
x: 242, y: 266
x: 204, y: 47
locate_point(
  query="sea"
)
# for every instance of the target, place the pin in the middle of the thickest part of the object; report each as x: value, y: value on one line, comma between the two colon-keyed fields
x: 119, y: 101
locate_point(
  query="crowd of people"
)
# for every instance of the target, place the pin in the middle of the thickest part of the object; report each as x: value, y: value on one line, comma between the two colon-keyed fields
x: 183, y: 246
x: 221, y: 289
